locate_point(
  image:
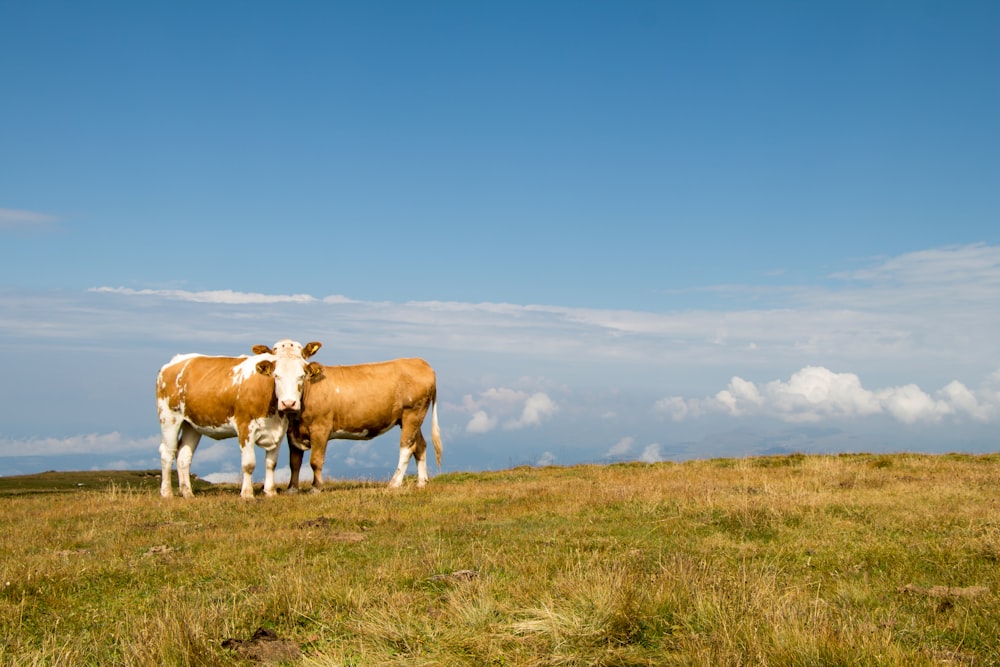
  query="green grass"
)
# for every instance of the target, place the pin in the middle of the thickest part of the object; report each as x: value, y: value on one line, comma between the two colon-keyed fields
x: 800, y: 560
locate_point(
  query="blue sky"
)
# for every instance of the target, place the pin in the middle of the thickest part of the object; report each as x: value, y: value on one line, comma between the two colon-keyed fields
x: 618, y: 231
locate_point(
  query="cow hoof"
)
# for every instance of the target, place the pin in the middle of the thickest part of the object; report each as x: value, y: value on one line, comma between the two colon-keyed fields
x: 291, y: 491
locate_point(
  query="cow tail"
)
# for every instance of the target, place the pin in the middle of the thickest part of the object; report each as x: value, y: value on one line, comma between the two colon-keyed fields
x: 435, y: 431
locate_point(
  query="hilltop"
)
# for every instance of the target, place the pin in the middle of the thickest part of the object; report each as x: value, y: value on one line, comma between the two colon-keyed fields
x: 789, y: 560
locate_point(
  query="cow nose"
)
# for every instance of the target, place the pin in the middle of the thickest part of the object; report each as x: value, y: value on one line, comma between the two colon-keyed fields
x: 289, y: 405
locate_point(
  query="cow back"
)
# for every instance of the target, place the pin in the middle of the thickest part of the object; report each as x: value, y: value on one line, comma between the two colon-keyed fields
x: 211, y: 391
x: 368, y: 397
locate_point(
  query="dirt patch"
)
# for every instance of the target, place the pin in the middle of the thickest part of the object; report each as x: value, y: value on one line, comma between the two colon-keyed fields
x: 318, y: 522
x: 160, y: 550
x: 348, y: 537
x: 457, y: 575
x: 264, y: 646
x: 66, y: 553
x: 170, y: 524
x: 329, y: 522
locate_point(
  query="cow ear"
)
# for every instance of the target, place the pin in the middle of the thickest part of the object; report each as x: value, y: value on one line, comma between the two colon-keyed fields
x: 310, y: 349
x: 261, y: 349
x: 314, y: 370
x: 265, y: 367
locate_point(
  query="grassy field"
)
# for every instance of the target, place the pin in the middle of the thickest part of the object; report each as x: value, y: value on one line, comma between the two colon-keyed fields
x: 61, y: 482
x: 798, y: 560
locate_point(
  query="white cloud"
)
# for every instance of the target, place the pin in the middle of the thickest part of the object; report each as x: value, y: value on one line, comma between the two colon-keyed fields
x: 224, y: 477
x: 502, y: 396
x: 91, y: 443
x: 217, y: 450
x: 518, y: 409
x: 935, y: 267
x: 362, y: 454
x: 211, y: 296
x: 815, y: 393
x: 620, y: 448
x: 537, y: 409
x: 481, y: 423
x: 546, y: 459
x: 933, y: 309
x: 12, y: 218
x: 739, y: 397
x: 909, y: 404
x: 651, y: 454
x: 962, y: 400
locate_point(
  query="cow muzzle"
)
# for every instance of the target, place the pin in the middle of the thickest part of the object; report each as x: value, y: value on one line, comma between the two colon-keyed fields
x: 288, y: 406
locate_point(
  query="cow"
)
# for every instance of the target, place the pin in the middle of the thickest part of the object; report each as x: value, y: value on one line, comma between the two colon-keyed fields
x: 360, y: 403
x: 222, y: 397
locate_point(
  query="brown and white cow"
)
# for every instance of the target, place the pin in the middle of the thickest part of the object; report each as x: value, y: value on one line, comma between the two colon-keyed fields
x: 222, y: 397
x: 362, y: 402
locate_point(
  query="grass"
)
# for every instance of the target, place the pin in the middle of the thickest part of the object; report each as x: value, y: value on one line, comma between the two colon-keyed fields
x: 798, y: 560
x: 62, y: 482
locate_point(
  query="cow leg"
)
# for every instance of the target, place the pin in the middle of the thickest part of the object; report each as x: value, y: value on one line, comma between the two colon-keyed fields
x: 170, y: 431
x: 270, y: 462
x: 411, y: 443
x: 406, y: 446
x: 317, y: 455
x: 404, y: 460
x: 248, y: 459
x: 294, y: 464
x: 420, y: 453
x: 189, y: 443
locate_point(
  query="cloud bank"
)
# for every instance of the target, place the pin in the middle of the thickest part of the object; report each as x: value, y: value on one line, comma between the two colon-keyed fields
x: 91, y: 443
x: 510, y: 408
x: 815, y: 393
x: 620, y: 448
x: 863, y: 348
x: 212, y: 296
x: 15, y: 219
x: 934, y: 308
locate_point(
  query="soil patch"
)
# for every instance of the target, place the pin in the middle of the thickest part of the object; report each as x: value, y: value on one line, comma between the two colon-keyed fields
x: 264, y: 646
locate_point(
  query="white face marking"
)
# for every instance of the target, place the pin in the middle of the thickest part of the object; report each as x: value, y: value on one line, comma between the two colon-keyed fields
x: 289, y: 376
x: 289, y: 372
x: 288, y: 347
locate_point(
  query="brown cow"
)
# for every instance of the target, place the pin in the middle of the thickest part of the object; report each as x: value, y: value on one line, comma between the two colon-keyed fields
x: 362, y: 402
x: 222, y: 397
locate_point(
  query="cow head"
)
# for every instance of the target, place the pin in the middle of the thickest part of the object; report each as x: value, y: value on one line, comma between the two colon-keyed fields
x: 286, y: 346
x: 289, y: 369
